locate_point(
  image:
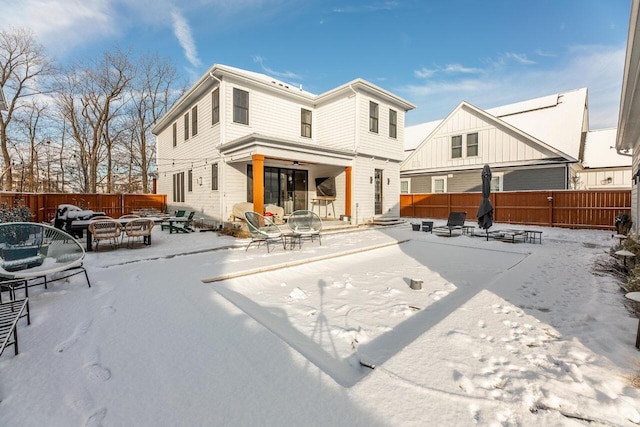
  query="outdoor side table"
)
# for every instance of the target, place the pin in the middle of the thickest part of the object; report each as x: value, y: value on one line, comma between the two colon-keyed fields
x: 533, y: 235
x: 635, y: 297
x: 290, y: 240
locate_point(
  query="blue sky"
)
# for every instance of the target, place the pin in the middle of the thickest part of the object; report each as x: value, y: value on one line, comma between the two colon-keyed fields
x: 432, y: 53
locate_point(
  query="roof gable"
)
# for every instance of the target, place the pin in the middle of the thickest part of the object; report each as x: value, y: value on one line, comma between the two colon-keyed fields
x: 500, y: 142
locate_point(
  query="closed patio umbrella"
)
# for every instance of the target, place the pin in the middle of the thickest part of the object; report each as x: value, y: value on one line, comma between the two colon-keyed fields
x: 485, y: 211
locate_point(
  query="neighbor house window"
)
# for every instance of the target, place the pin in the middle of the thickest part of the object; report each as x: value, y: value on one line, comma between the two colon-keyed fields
x: 472, y: 144
x: 393, y: 124
x: 186, y: 126
x: 456, y: 146
x: 190, y: 180
x: 404, y: 187
x: 497, y: 181
x: 194, y: 121
x: 240, y: 106
x: 215, y: 107
x: 214, y: 176
x: 175, y: 134
x: 373, y: 117
x: 439, y: 184
x: 178, y: 187
x: 305, y: 123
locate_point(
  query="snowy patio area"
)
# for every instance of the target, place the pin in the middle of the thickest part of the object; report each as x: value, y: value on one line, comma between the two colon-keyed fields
x: 195, y: 331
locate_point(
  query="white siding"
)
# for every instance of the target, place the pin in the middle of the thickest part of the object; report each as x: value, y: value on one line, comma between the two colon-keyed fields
x: 379, y: 144
x: 336, y: 123
x: 363, y: 189
x: 605, y: 179
x: 495, y: 145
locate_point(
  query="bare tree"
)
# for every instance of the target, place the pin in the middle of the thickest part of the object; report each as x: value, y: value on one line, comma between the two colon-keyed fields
x: 154, y: 92
x: 90, y: 99
x: 23, y: 69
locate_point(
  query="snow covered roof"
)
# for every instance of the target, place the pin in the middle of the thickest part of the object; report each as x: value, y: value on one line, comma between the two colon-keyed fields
x: 557, y: 120
x: 414, y: 135
x: 600, y: 150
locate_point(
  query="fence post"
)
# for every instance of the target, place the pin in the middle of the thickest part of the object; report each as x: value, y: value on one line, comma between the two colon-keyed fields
x: 550, y: 210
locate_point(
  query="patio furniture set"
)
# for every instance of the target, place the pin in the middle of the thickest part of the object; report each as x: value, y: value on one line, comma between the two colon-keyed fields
x: 456, y: 224
x: 301, y: 224
x: 31, y: 252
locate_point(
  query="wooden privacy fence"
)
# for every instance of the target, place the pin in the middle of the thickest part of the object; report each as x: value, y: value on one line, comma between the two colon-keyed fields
x: 44, y: 205
x: 595, y: 209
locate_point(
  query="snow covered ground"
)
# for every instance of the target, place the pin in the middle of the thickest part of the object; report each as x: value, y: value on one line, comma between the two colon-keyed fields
x: 195, y: 331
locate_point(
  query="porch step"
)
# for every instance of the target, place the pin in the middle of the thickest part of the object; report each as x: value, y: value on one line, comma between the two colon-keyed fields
x: 387, y: 221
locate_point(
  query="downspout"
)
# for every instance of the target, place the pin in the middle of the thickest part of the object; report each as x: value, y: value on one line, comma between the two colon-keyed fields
x: 356, y: 137
x: 222, y: 166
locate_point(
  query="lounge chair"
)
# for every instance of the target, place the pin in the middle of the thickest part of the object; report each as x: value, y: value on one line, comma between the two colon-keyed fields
x: 170, y: 225
x: 306, y: 224
x: 455, y: 222
x: 262, y: 230
x: 31, y: 251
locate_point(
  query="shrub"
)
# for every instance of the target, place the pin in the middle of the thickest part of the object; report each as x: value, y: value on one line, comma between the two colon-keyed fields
x: 15, y: 214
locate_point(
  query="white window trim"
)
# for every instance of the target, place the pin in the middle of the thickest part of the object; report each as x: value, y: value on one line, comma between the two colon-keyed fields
x: 434, y: 178
x: 408, y: 181
x: 501, y: 176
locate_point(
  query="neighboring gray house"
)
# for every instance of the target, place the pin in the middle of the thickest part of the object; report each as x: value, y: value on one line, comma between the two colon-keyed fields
x: 539, y: 144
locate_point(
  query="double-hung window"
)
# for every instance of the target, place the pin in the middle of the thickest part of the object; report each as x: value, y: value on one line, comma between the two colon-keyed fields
x: 305, y: 123
x: 175, y: 134
x: 393, y: 124
x: 186, y: 126
x: 456, y: 146
x: 194, y: 121
x: 240, y: 106
x: 472, y: 144
x: 214, y: 176
x: 215, y: 107
x: 373, y: 117
x: 190, y: 180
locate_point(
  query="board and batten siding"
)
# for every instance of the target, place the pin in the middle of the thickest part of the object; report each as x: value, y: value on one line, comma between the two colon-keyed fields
x: 495, y: 145
x: 608, y: 178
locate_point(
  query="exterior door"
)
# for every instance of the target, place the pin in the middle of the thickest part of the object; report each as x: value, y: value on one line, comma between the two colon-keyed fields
x: 378, y: 192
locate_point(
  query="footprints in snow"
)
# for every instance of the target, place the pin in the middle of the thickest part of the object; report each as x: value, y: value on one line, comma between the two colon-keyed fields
x: 95, y: 372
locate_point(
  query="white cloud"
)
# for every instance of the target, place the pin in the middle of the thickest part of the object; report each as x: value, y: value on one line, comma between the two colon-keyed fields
x: 598, y: 68
x: 290, y: 76
x: 519, y: 57
x: 182, y: 31
x: 64, y: 24
x: 424, y: 73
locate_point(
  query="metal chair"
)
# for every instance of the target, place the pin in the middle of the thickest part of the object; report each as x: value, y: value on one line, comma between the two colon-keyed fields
x: 306, y: 224
x: 262, y: 230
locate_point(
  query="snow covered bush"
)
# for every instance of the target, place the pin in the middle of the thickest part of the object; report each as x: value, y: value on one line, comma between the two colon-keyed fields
x: 15, y: 214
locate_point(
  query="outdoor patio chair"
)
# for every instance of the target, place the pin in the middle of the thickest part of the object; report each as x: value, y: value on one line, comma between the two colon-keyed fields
x: 262, y: 230
x: 166, y: 225
x: 106, y: 229
x: 455, y: 222
x: 138, y: 229
x: 129, y: 216
x: 306, y: 224
x: 33, y: 251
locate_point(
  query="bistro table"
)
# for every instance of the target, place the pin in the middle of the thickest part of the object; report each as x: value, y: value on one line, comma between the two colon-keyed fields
x: 83, y: 225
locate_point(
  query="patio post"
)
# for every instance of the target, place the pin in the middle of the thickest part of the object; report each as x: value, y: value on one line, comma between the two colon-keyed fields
x: 258, y: 183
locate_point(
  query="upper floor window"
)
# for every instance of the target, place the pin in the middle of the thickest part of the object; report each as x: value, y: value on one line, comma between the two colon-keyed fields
x: 240, y: 106
x: 456, y: 146
x: 393, y: 124
x: 175, y: 134
x: 305, y: 123
x: 215, y: 107
x: 194, y: 121
x: 186, y: 126
x: 472, y: 144
x: 214, y: 176
x: 373, y: 117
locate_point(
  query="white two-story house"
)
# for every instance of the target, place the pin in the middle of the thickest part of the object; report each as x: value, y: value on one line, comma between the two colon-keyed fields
x: 238, y: 136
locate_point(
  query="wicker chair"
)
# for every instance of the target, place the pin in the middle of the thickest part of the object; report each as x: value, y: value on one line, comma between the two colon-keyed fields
x: 138, y: 229
x: 106, y: 229
x: 129, y: 216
